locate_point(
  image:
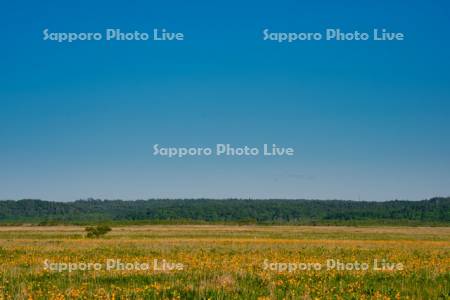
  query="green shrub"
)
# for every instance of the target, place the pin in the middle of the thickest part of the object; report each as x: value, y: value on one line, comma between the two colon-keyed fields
x: 97, y: 231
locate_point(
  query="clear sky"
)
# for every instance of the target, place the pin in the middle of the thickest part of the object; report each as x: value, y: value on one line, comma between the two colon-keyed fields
x: 368, y: 120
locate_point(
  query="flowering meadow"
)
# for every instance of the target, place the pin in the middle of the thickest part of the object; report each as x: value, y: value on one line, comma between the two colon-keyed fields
x: 225, y: 262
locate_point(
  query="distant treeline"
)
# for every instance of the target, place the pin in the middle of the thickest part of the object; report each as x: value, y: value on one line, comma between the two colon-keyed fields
x: 433, y: 211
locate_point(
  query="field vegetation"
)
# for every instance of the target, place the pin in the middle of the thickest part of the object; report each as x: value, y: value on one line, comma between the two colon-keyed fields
x: 224, y: 262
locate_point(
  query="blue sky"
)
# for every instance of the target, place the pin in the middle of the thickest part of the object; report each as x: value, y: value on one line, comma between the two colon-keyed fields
x: 368, y: 120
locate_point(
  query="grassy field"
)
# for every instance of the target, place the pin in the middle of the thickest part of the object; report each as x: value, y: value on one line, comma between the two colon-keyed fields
x: 225, y: 262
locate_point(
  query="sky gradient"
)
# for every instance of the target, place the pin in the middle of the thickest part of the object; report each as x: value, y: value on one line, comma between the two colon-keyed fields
x: 368, y: 120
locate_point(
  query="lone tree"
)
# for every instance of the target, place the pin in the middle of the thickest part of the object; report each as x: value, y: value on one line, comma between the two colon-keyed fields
x: 97, y: 231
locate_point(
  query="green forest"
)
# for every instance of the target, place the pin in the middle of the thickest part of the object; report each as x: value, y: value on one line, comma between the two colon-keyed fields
x: 276, y: 211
